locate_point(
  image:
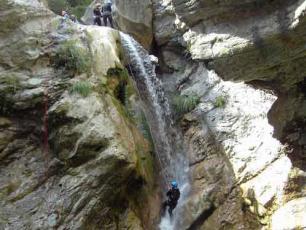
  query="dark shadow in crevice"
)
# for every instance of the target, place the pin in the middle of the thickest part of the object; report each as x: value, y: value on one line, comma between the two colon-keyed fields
x: 201, y: 219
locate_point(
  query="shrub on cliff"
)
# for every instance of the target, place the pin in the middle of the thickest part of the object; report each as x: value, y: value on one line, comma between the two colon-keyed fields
x: 185, y: 103
x: 72, y: 58
x: 81, y: 87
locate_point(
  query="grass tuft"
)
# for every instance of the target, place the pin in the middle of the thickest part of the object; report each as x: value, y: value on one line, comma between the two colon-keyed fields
x: 220, y: 102
x: 81, y: 87
x: 185, y: 103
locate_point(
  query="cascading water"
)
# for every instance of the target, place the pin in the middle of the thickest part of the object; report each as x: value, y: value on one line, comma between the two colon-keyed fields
x: 167, y: 141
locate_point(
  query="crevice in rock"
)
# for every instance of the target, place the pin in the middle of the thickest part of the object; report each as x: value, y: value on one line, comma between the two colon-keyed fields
x: 201, y: 219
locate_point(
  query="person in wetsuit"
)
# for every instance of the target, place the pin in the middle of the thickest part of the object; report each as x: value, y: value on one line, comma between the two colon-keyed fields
x: 173, y: 196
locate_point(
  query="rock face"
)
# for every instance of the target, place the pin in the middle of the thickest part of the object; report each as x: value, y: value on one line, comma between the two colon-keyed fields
x: 135, y: 18
x: 245, y: 136
x: 72, y: 154
x: 71, y: 157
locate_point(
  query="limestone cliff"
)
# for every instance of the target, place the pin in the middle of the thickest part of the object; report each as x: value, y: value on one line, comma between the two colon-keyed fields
x: 240, y: 67
x: 244, y: 61
x: 71, y: 154
x: 73, y: 150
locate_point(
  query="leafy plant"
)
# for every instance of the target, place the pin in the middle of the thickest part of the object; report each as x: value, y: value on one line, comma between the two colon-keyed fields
x: 72, y: 58
x: 76, y: 7
x: 220, y: 102
x: 81, y: 87
x: 185, y: 103
x: 57, y: 5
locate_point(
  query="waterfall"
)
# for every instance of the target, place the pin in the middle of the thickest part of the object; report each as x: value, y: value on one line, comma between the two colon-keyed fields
x: 167, y: 139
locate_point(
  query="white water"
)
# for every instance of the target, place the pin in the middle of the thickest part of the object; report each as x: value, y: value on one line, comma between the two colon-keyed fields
x: 167, y: 140
x: 157, y: 108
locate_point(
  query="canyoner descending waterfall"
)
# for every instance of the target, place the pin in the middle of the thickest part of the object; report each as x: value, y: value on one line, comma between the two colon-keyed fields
x: 167, y: 141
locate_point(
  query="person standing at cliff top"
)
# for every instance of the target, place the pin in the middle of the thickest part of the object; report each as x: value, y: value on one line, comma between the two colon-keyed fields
x: 97, y: 14
x: 107, y: 13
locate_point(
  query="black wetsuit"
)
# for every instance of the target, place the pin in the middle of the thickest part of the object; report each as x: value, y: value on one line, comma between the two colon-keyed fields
x: 107, y: 14
x: 98, y: 15
x: 173, y: 196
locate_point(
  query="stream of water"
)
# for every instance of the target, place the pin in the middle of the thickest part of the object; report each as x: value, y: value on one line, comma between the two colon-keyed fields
x: 167, y: 139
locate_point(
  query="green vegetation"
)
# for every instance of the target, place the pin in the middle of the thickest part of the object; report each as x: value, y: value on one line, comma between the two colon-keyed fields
x: 121, y: 93
x: 145, y: 128
x: 57, y: 5
x: 12, y: 84
x: 72, y: 58
x: 122, y: 73
x: 76, y: 7
x: 220, y: 102
x: 185, y: 103
x: 81, y: 87
x: 122, y: 90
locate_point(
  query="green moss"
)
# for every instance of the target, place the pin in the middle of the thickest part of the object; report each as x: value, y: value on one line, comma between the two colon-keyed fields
x: 121, y: 73
x: 145, y: 129
x: 12, y: 84
x: 121, y: 109
x: 83, y: 88
x: 72, y: 58
x: 120, y: 85
x: 145, y: 165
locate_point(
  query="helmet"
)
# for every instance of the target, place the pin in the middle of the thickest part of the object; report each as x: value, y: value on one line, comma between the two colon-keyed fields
x: 174, y: 184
